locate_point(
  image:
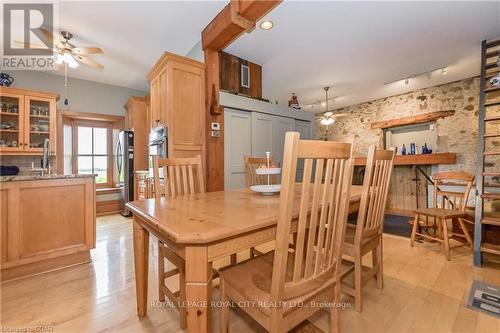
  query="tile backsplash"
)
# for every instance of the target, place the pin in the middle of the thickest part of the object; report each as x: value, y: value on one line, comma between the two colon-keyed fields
x: 24, y: 163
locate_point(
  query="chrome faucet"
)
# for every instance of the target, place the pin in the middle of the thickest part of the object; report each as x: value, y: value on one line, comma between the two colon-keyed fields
x: 46, y: 154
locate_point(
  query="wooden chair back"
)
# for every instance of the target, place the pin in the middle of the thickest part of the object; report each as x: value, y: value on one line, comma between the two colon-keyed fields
x: 251, y: 177
x: 378, y: 170
x: 451, y: 199
x: 322, y: 216
x: 181, y: 175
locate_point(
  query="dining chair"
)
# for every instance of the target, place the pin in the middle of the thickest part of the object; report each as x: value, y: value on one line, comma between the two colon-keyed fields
x: 448, y: 206
x: 251, y: 177
x: 366, y: 235
x: 182, y: 176
x: 285, y: 287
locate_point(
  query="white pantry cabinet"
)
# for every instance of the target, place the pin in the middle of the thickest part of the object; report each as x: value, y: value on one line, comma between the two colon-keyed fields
x: 254, y: 133
x: 237, y: 139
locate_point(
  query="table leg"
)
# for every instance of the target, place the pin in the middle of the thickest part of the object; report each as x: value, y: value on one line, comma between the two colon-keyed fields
x: 141, y: 259
x: 198, y: 289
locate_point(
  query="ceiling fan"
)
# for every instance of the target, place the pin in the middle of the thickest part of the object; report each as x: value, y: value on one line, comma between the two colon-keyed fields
x: 66, y: 52
x: 327, y: 115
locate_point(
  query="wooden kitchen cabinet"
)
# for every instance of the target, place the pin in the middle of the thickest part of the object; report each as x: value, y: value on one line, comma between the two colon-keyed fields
x: 27, y: 118
x: 178, y: 101
x: 137, y: 120
x: 46, y: 224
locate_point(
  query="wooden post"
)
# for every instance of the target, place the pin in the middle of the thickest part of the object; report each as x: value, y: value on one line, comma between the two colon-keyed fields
x: 234, y: 19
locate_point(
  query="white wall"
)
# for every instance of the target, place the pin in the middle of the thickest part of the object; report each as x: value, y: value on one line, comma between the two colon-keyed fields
x: 196, y: 53
x: 83, y: 95
x: 249, y: 104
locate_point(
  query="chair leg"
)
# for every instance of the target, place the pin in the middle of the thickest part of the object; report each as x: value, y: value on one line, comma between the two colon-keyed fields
x: 375, y: 262
x: 446, y: 243
x: 182, y: 298
x: 161, y: 273
x: 357, y: 282
x: 276, y: 321
x: 380, y: 268
x: 414, y: 230
x: 335, y: 311
x: 464, y: 230
x: 224, y: 309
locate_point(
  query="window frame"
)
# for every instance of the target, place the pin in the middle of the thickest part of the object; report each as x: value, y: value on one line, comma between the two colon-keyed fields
x: 109, y: 136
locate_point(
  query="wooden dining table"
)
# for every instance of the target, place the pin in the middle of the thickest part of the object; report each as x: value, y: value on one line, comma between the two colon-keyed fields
x: 202, y: 228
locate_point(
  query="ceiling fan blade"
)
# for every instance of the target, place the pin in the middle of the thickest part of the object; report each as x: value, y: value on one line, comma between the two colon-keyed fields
x: 86, y: 50
x: 340, y: 115
x: 87, y: 61
x: 29, y: 46
x: 51, y: 38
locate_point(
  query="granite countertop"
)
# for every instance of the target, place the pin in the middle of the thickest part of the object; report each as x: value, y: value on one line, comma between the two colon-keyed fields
x: 40, y: 177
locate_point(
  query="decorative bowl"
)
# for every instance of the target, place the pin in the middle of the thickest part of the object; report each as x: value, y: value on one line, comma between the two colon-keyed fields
x: 266, y: 189
x: 268, y: 171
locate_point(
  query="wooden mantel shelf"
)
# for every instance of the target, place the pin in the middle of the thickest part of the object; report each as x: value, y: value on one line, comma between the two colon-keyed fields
x: 420, y: 159
x: 418, y: 119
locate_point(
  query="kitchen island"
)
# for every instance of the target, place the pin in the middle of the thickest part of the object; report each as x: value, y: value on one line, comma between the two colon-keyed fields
x: 47, y: 223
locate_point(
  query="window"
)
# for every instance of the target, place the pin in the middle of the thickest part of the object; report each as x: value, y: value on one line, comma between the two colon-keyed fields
x: 245, y: 76
x: 93, y: 150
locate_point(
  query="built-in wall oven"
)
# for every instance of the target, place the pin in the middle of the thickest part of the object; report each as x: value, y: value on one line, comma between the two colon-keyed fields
x: 158, y: 146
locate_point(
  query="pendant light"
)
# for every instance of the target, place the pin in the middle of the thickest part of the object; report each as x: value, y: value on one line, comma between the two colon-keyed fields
x: 327, y: 119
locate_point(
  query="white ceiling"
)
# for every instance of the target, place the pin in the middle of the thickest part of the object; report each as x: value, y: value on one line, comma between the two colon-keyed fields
x: 356, y: 47
x: 134, y: 34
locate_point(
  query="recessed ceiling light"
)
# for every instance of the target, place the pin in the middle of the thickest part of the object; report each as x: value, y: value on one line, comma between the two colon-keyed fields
x: 266, y: 25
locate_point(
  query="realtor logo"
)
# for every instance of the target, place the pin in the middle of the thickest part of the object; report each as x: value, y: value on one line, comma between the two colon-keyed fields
x: 27, y: 36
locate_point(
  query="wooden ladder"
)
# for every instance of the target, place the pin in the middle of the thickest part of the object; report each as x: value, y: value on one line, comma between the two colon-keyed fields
x: 490, y: 53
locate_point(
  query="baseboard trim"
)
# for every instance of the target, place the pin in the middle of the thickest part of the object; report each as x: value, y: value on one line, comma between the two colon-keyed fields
x: 108, y: 207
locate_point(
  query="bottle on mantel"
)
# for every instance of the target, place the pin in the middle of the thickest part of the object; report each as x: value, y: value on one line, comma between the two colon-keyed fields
x: 403, y: 150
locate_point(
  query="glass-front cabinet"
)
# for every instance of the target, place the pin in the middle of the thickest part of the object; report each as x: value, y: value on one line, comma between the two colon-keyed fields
x: 27, y: 118
x: 11, y: 121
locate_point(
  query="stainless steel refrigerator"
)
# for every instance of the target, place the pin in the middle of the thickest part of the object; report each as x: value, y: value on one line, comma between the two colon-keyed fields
x: 125, y: 165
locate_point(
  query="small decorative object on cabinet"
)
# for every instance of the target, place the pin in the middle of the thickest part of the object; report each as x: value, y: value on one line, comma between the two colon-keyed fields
x: 294, y: 102
x: 6, y: 80
x: 27, y: 118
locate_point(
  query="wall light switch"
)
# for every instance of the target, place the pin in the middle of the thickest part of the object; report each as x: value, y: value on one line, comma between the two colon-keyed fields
x: 215, y: 134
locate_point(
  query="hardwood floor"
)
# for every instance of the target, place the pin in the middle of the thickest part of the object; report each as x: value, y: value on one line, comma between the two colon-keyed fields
x: 422, y: 293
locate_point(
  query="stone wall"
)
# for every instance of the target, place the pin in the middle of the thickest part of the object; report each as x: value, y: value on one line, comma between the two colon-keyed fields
x: 457, y: 133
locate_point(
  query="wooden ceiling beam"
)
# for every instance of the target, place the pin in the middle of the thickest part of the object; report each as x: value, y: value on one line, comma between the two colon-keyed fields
x: 237, y: 17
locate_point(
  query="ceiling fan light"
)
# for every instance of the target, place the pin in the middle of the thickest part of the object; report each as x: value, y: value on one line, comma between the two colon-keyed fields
x: 59, y: 59
x: 327, y: 121
x: 68, y: 58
